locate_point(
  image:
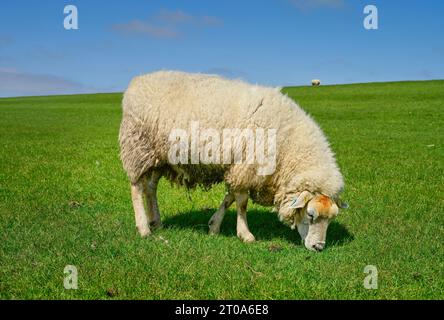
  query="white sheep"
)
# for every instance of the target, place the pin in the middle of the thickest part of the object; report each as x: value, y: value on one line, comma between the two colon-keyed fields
x: 303, y: 185
x: 315, y: 82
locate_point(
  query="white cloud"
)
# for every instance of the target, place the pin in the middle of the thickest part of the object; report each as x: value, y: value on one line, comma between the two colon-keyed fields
x: 425, y: 74
x: 180, y: 17
x: 137, y: 27
x: 166, y: 24
x: 5, y: 39
x: 306, y: 5
x: 8, y: 69
x: 174, y: 17
x: 227, y: 72
x: 14, y: 83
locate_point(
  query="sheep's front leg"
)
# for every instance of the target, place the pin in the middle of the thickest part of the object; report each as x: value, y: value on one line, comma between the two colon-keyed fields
x: 218, y: 217
x: 242, y: 226
x: 151, y: 200
x: 137, y: 191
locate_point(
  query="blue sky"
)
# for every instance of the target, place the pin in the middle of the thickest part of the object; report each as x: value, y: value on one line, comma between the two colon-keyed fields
x: 280, y: 42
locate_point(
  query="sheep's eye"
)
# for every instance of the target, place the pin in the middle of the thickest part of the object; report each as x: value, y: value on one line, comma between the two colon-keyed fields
x: 311, y: 216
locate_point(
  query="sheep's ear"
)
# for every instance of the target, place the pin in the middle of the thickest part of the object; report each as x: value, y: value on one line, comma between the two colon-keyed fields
x: 341, y: 204
x: 301, y: 200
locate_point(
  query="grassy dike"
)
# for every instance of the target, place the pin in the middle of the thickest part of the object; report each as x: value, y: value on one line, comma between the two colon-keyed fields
x: 64, y: 200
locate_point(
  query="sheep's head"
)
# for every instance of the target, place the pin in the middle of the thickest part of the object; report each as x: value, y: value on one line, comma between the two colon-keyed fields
x: 310, y: 214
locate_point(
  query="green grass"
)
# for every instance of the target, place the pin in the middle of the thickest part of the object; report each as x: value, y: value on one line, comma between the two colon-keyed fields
x: 64, y: 199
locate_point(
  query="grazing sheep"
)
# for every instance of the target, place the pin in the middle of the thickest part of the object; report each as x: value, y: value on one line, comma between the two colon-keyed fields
x: 303, y: 185
x: 315, y: 82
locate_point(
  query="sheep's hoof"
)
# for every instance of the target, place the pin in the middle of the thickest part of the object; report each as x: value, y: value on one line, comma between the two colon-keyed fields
x: 155, y: 225
x: 247, y: 237
x: 214, y: 228
x: 144, y: 231
x: 213, y: 231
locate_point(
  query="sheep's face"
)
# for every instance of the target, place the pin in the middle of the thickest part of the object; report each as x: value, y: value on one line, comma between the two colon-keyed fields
x: 316, y: 216
x: 311, y: 214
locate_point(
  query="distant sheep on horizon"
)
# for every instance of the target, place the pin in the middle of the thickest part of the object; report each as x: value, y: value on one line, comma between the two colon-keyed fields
x: 315, y: 82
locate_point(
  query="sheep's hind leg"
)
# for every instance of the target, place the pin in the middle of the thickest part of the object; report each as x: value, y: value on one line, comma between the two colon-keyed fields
x: 242, y: 226
x: 137, y: 191
x: 151, y: 200
x: 218, y: 217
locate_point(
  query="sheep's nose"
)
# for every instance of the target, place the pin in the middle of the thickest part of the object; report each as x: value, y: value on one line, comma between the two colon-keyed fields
x: 319, y: 246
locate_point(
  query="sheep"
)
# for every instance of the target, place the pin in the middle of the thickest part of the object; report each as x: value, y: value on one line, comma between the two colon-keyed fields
x: 315, y: 82
x: 303, y: 185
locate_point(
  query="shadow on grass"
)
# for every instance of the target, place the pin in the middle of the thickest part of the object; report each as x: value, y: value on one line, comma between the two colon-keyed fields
x: 263, y: 224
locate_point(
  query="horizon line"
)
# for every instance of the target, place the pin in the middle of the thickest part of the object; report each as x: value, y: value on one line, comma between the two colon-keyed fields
x: 282, y: 87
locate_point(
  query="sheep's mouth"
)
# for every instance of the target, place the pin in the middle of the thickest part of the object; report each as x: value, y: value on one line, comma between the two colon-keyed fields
x: 318, y: 246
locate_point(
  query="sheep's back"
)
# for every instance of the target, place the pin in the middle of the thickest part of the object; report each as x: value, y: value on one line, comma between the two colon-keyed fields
x: 159, y: 102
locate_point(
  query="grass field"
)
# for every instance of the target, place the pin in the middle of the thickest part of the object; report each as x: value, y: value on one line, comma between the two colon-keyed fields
x: 64, y: 200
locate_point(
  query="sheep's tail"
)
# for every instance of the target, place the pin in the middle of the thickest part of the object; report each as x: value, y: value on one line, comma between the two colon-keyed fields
x: 135, y: 152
